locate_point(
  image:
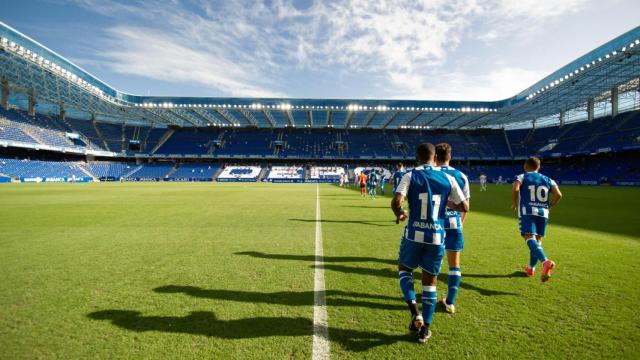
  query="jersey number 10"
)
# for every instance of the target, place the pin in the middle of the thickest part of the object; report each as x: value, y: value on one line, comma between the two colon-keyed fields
x: 435, y: 206
x: 540, y: 194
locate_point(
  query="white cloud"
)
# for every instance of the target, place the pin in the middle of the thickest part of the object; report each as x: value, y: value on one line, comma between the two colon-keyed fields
x: 248, y: 48
x: 497, y: 84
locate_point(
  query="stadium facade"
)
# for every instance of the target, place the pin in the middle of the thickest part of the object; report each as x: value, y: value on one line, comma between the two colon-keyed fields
x: 583, y: 119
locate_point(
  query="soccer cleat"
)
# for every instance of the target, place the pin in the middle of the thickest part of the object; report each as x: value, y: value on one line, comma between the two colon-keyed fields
x: 529, y: 270
x: 547, y: 267
x: 450, y: 308
x: 416, y: 323
x: 424, y: 334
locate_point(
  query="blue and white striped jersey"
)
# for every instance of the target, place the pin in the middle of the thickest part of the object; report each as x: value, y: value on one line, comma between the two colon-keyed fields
x: 397, y: 177
x: 534, y: 194
x: 427, y: 190
x: 452, y: 218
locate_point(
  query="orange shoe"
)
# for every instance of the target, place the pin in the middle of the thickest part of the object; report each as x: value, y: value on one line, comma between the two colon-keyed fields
x: 547, y: 267
x: 529, y: 270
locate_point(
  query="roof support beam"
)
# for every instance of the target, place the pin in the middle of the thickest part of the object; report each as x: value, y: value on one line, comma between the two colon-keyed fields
x: 164, y: 119
x: 205, y: 116
x: 370, y: 118
x: 183, y: 117
x: 267, y: 115
x: 390, y: 119
x: 4, y: 102
x: 228, y: 117
x: 289, y: 117
x: 329, y: 118
x: 453, y: 121
x: 412, y: 119
x: 472, y: 121
x: 310, y: 118
x: 349, y: 118
x: 434, y: 119
x: 249, y: 117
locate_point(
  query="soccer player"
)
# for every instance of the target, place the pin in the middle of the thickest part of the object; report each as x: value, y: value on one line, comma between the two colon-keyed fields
x: 382, y: 181
x: 397, y: 176
x: 483, y: 182
x: 362, y: 179
x: 373, y: 182
x: 454, y: 241
x: 429, y: 192
x: 530, y: 196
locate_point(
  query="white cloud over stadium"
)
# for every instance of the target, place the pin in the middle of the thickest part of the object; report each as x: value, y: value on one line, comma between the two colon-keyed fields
x: 366, y: 49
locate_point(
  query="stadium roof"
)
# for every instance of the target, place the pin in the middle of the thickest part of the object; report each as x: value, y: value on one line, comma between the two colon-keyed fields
x: 28, y: 67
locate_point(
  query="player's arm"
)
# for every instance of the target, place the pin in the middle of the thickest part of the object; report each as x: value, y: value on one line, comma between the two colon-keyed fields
x: 515, y: 193
x: 457, y: 200
x: 396, y: 207
x: 398, y: 198
x: 556, y: 195
x: 467, y: 193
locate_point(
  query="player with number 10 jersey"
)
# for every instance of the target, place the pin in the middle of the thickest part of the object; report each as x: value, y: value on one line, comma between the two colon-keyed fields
x: 533, y: 196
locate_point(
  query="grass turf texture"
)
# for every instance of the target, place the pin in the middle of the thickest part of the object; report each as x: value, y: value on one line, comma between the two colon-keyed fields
x: 226, y: 271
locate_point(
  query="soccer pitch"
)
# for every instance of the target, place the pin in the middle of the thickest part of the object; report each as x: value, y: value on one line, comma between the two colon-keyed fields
x: 213, y: 270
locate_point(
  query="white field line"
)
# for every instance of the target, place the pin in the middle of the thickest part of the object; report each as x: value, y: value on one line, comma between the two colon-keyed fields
x: 320, y: 318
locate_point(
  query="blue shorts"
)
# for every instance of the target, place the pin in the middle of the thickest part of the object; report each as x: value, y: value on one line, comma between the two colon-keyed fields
x: 427, y: 257
x: 530, y: 224
x: 454, y: 241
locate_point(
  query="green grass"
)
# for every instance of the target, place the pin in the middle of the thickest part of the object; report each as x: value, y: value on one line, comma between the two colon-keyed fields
x: 181, y: 270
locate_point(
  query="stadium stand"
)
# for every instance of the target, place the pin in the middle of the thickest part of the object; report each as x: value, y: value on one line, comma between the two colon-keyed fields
x: 195, y: 172
x: 240, y: 173
x: 108, y: 170
x: 292, y: 173
x: 47, y: 170
x: 326, y: 173
x: 151, y: 172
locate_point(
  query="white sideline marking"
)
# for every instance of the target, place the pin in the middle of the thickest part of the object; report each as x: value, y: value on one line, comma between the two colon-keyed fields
x: 320, y: 318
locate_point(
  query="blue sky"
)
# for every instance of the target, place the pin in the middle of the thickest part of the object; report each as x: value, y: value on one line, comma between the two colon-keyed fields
x: 435, y: 50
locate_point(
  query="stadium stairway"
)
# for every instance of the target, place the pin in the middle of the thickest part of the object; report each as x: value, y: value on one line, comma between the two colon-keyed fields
x: 28, y: 132
x: 85, y: 170
x: 162, y: 140
x: 263, y: 173
x: 173, y: 170
x: 138, y: 167
x: 218, y: 172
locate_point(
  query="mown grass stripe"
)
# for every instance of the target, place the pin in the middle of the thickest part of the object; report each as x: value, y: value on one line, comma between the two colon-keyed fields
x: 320, y: 318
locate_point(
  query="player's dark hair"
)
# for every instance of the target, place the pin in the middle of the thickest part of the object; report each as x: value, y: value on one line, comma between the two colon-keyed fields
x: 425, y: 152
x: 400, y: 165
x: 533, y: 163
x: 443, y: 152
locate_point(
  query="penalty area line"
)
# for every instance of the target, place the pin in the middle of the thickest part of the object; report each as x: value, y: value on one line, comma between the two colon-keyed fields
x: 320, y: 318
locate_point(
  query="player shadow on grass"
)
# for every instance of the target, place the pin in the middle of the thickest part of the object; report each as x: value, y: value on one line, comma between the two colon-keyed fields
x: 289, y: 298
x: 442, y: 278
x: 361, y: 222
x: 312, y: 258
x: 366, y: 207
x: 206, y: 323
x: 329, y: 264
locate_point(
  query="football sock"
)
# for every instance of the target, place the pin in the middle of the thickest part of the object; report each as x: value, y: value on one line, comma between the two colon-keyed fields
x: 413, y: 307
x: 536, y: 251
x: 428, y: 303
x: 454, y: 283
x: 406, y: 285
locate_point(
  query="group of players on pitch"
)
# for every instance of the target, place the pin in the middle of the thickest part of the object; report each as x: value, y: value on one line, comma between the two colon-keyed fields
x: 438, y: 197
